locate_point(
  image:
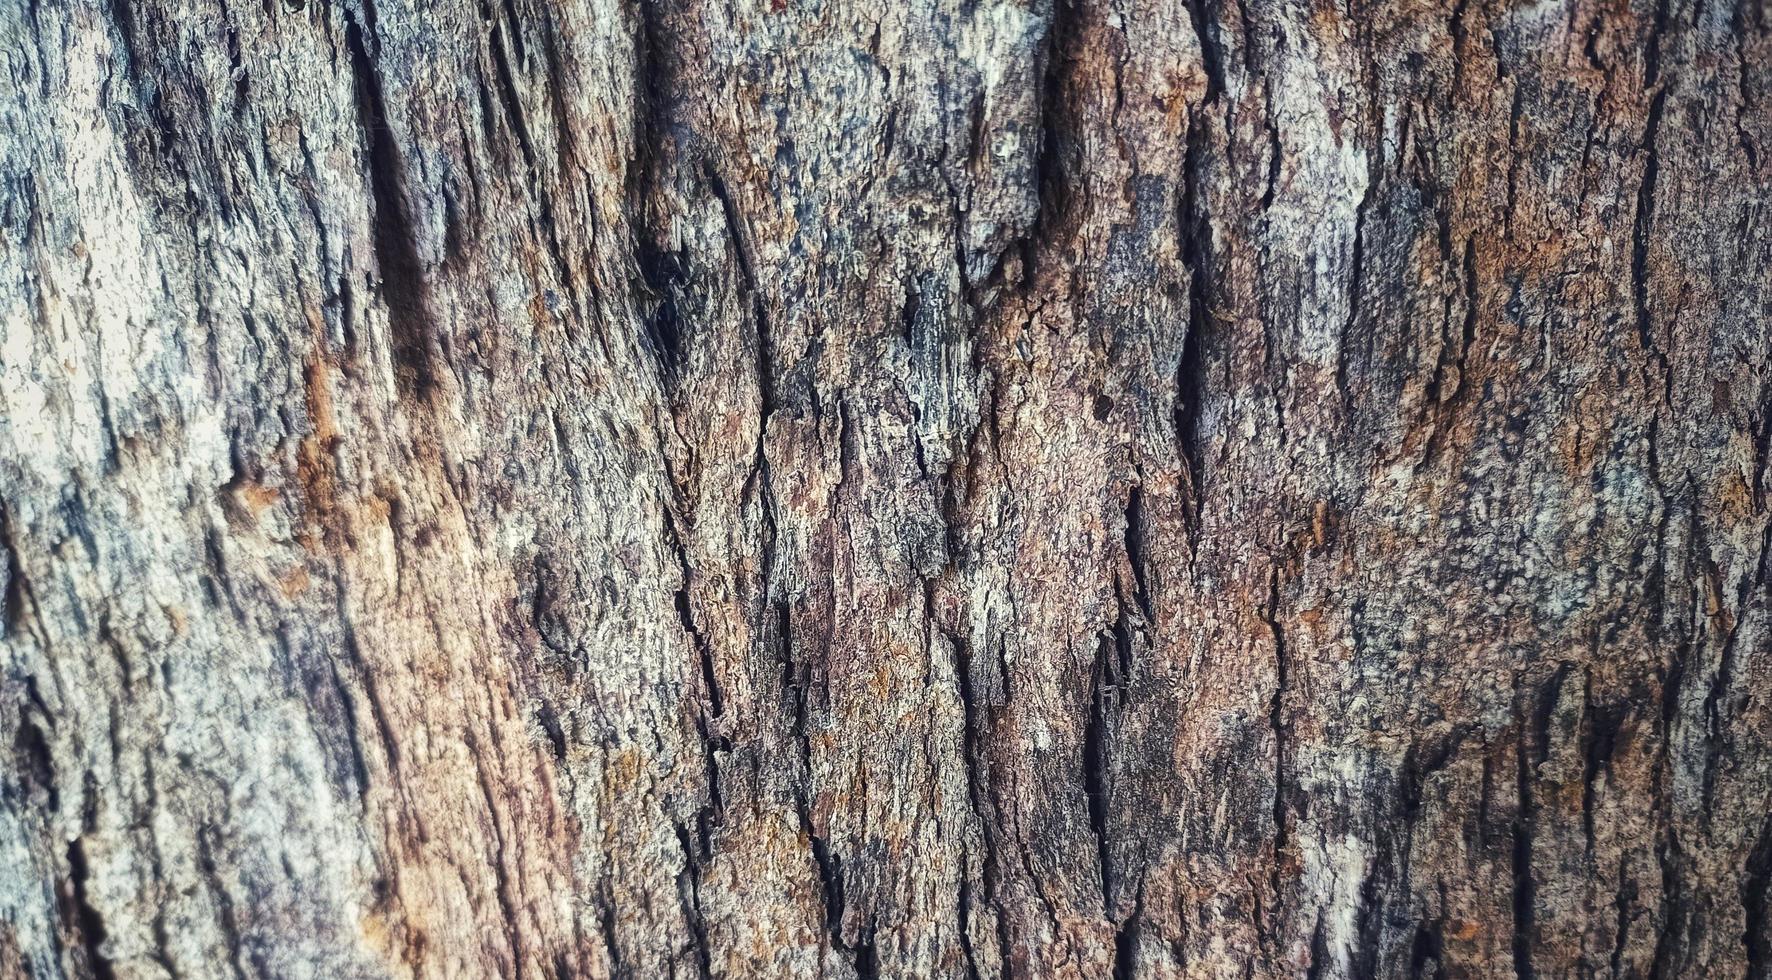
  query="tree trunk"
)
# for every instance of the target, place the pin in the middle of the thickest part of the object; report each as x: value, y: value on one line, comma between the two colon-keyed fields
x: 990, y: 488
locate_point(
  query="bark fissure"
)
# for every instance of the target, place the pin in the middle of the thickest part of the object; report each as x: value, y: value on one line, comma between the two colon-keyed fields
x: 403, y: 286
x: 85, y: 920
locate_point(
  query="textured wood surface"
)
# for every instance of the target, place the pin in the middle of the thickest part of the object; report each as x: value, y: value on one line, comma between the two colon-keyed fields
x: 989, y: 488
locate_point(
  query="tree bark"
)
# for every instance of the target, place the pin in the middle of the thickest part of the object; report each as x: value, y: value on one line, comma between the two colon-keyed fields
x: 989, y: 488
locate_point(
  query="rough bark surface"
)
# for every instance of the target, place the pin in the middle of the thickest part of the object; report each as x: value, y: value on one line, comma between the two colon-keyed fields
x: 990, y: 488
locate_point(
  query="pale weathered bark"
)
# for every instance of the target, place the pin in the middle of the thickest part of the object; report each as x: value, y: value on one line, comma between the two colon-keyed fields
x: 1035, y: 488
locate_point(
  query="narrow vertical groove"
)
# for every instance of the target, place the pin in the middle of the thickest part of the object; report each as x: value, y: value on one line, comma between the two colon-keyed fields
x: 403, y: 285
